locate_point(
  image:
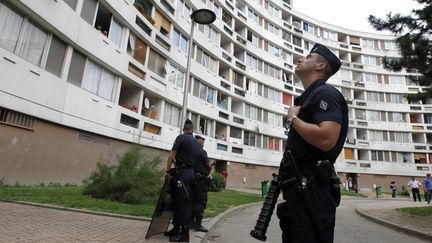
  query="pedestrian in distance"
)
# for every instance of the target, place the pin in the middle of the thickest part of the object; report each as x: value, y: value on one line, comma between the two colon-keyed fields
x: 427, y: 184
x: 318, y: 123
x: 393, y: 188
x: 183, y: 154
x: 200, y: 186
x: 415, y: 185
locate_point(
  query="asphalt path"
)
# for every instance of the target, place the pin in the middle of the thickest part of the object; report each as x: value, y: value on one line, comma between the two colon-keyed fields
x: 350, y: 227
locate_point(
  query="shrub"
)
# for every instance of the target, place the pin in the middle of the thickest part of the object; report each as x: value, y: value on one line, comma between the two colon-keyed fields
x: 216, y: 182
x: 133, y: 179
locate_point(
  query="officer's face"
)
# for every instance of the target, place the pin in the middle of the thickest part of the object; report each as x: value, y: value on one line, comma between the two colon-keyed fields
x: 306, y: 64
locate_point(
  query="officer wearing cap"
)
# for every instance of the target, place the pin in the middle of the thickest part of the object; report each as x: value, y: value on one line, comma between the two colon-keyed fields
x: 185, y: 151
x: 318, y: 123
x: 200, y: 186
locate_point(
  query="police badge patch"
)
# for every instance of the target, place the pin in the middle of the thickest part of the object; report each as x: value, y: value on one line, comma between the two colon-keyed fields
x: 323, y: 105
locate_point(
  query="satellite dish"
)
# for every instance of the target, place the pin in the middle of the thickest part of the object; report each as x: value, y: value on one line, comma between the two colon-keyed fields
x: 146, y: 103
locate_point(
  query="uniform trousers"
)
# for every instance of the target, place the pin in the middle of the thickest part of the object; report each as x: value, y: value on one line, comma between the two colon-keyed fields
x: 295, y: 221
x: 182, y: 202
x: 200, y: 191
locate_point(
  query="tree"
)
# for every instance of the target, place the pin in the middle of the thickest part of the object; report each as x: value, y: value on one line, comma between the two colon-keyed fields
x: 415, y: 43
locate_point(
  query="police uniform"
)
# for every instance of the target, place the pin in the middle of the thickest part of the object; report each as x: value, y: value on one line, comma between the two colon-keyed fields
x: 187, y: 153
x: 320, y: 102
x: 200, y: 189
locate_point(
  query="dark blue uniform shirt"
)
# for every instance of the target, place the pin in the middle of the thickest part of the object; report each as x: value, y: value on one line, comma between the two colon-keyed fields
x: 320, y: 102
x: 187, y: 149
x: 201, y: 165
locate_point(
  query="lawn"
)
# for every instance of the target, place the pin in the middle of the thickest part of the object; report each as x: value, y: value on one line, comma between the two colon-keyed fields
x: 71, y: 197
x: 419, y: 211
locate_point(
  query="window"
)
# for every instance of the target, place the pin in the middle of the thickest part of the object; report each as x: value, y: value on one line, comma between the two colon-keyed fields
x: 208, y: 31
x: 254, y: 39
x: 273, y: 10
x: 428, y: 118
x: 251, y: 112
x: 91, y: 77
x: 206, y: 127
x: 250, y: 138
x: 272, y: 94
x: 368, y: 43
x: 376, y: 135
x: 162, y: 24
x: 397, y: 117
x: 183, y: 8
x: 273, y: 119
x: 374, y: 96
x: 396, y: 98
x: 401, y: 137
x: 396, y: 80
x: 330, y: 35
x: 374, y: 115
x: 253, y: 16
x: 271, y: 143
x: 273, y: 50
x: 180, y: 40
x: 390, y: 45
x: 271, y: 71
x: 15, y: 118
x: 400, y: 157
x: 308, y: 27
x: 157, y: 65
x: 213, y: 6
x: 273, y: 29
x: 137, y: 48
x: 253, y: 62
x: 235, y: 132
x: 297, y: 41
x: 371, y: 78
x: 203, y: 92
x: 206, y: 60
x: 377, y: 155
x: 22, y: 37
x: 171, y: 114
x: 108, y: 25
x: 369, y: 60
x: 56, y: 54
x: 175, y: 75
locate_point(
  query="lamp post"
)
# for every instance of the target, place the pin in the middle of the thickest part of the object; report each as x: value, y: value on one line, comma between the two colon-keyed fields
x: 200, y: 16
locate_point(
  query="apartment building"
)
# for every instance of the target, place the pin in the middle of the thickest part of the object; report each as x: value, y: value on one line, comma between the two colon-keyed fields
x: 83, y: 80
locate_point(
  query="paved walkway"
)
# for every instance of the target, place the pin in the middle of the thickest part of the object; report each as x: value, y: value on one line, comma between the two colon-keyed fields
x: 26, y: 223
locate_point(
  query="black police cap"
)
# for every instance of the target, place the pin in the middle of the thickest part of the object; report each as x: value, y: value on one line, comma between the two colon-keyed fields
x: 199, y: 137
x: 331, y: 58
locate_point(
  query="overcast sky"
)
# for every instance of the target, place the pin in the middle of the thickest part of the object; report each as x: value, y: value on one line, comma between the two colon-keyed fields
x: 352, y: 14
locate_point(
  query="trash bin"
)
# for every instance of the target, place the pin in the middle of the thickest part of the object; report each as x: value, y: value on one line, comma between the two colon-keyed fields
x: 264, y: 188
x: 378, y: 191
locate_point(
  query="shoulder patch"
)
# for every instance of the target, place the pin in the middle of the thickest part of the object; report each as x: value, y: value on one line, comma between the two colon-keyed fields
x: 323, y: 105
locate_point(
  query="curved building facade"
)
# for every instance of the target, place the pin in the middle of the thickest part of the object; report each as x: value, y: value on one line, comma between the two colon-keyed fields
x: 83, y: 80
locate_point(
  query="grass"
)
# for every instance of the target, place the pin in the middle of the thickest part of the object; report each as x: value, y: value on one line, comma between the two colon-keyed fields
x: 351, y: 193
x: 418, y: 211
x: 72, y: 197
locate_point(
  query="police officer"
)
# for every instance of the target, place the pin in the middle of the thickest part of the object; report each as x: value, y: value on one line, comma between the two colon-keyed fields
x: 185, y: 151
x: 200, y: 186
x: 318, y: 128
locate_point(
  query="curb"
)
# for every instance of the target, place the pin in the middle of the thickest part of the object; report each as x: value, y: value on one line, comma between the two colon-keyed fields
x: 409, y: 231
x: 202, y: 237
x: 106, y: 214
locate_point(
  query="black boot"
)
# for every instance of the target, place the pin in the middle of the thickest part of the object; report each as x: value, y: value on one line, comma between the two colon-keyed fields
x: 198, y: 226
x: 182, y: 236
x: 174, y: 231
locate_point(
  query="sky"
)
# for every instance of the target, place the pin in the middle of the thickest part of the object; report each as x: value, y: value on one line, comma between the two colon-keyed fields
x: 352, y: 14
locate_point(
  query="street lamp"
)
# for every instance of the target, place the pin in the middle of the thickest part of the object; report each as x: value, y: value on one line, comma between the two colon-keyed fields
x: 200, y: 16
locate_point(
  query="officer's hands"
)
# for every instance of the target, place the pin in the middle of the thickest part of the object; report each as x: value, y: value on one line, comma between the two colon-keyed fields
x: 293, y: 111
